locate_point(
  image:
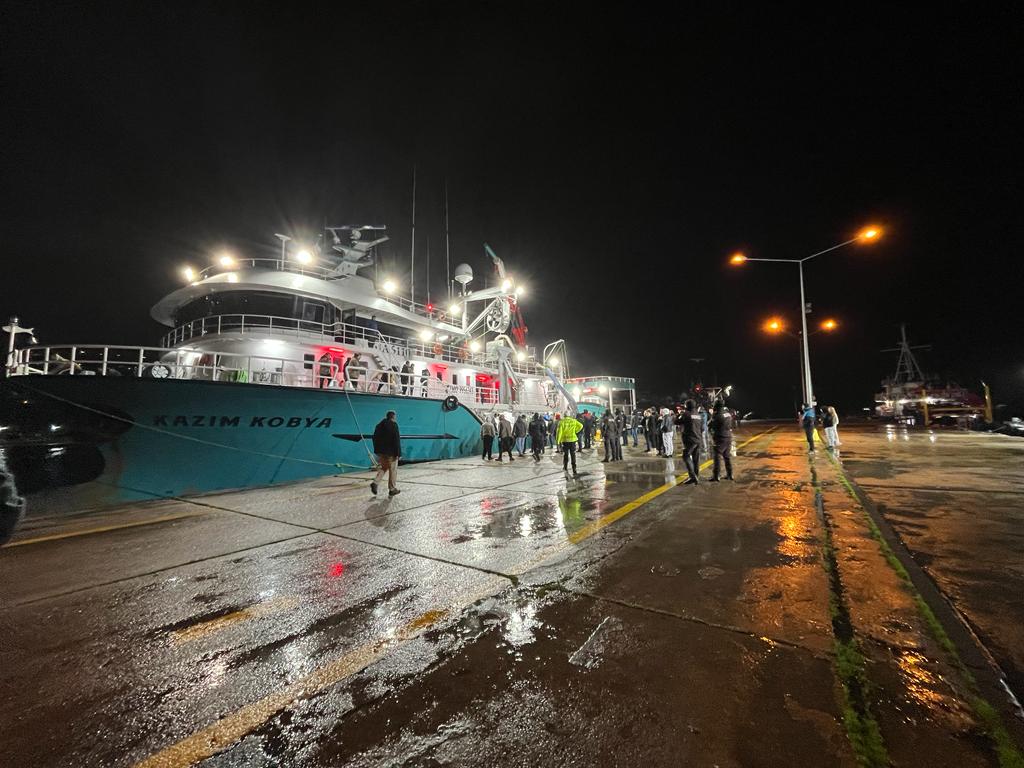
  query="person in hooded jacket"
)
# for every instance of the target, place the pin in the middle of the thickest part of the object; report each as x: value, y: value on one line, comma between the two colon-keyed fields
x: 538, y: 436
x: 588, y: 429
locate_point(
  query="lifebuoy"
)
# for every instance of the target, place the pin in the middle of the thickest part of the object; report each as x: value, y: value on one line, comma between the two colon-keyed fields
x: 450, y: 403
x: 438, y: 349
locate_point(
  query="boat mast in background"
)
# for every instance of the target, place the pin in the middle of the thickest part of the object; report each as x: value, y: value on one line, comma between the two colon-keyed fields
x: 412, y: 270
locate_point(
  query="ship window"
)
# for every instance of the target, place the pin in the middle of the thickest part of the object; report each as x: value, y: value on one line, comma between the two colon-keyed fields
x: 312, y: 312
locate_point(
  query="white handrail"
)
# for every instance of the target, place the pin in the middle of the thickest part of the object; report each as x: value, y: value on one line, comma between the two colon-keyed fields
x: 183, y: 364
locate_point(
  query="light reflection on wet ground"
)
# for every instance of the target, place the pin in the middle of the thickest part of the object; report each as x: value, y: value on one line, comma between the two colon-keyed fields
x: 699, y: 623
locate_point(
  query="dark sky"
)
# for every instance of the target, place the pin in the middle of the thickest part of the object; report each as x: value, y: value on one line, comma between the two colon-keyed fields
x: 614, y: 159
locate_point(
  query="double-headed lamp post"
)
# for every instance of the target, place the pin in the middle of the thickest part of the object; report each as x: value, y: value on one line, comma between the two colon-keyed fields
x: 868, y: 235
x: 776, y: 325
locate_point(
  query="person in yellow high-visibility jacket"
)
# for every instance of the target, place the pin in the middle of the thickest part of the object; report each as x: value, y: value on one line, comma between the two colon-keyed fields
x: 568, y: 429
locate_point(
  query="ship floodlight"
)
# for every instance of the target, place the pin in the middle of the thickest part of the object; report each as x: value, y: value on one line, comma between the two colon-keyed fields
x: 226, y: 260
x: 520, y: 356
x: 520, y: 291
x: 189, y: 273
x: 390, y: 286
x: 426, y: 335
x: 474, y: 346
x: 304, y: 257
x: 505, y: 285
x: 553, y: 362
x: 455, y: 310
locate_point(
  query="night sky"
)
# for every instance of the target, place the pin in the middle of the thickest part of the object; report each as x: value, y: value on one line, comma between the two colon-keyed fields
x: 613, y: 159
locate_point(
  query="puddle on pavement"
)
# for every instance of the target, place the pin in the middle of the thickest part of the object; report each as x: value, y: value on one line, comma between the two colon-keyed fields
x: 566, y: 513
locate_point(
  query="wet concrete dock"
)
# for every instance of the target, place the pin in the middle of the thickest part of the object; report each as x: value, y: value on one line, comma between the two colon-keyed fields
x: 859, y: 609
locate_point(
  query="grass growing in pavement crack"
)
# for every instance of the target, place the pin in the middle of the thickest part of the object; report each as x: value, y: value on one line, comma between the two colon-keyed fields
x: 861, y: 727
x: 1007, y: 752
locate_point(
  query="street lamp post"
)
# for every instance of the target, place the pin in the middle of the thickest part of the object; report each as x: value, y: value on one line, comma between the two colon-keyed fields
x: 777, y: 325
x: 868, y: 235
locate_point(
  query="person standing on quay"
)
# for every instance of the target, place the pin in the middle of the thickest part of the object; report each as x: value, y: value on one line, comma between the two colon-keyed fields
x: 487, y: 438
x: 387, y: 444
x: 807, y: 419
x: 668, y: 429
x: 538, y: 436
x: 519, y: 432
x: 693, y: 426
x: 831, y: 423
x: 504, y: 439
x: 721, y: 434
x: 568, y: 429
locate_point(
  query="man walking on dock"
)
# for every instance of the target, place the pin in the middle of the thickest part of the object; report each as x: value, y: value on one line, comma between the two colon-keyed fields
x: 387, y: 444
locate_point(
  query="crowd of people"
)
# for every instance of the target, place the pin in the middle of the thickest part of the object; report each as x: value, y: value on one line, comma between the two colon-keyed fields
x: 700, y: 432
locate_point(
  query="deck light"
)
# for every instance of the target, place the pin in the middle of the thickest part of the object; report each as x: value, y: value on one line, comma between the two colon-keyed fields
x: 474, y: 346
x: 553, y: 362
x: 226, y: 260
x: 189, y: 273
x: 389, y: 286
x: 520, y: 291
x: 505, y: 285
x: 426, y: 335
x: 520, y: 356
x: 304, y: 257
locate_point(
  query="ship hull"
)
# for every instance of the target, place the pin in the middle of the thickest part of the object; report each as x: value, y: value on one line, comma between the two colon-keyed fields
x: 103, y: 440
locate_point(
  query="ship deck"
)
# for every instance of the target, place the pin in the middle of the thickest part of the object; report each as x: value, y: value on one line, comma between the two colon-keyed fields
x: 504, y: 614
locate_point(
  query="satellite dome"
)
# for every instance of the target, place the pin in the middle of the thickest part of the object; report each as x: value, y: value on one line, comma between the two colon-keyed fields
x: 463, y: 274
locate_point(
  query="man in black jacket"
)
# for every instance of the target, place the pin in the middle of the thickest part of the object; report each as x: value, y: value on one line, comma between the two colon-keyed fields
x: 721, y: 438
x: 387, y: 444
x: 693, y: 427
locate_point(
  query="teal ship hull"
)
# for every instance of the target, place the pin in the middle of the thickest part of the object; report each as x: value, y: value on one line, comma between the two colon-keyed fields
x: 106, y: 440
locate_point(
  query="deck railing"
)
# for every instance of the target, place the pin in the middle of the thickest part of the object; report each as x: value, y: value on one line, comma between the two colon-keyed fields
x: 331, y: 333
x: 184, y: 364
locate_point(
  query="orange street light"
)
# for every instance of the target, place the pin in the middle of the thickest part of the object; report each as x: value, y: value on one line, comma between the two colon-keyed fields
x: 870, y: 233
x: 829, y: 325
x: 773, y: 325
x: 737, y: 258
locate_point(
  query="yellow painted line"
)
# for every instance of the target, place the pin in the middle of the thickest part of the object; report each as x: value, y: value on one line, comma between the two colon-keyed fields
x: 217, y: 737
x: 207, y: 628
x: 102, y: 529
x: 596, y: 525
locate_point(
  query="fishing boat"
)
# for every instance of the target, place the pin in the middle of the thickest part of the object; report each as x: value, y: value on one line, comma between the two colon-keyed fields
x: 910, y: 396
x: 273, y: 369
